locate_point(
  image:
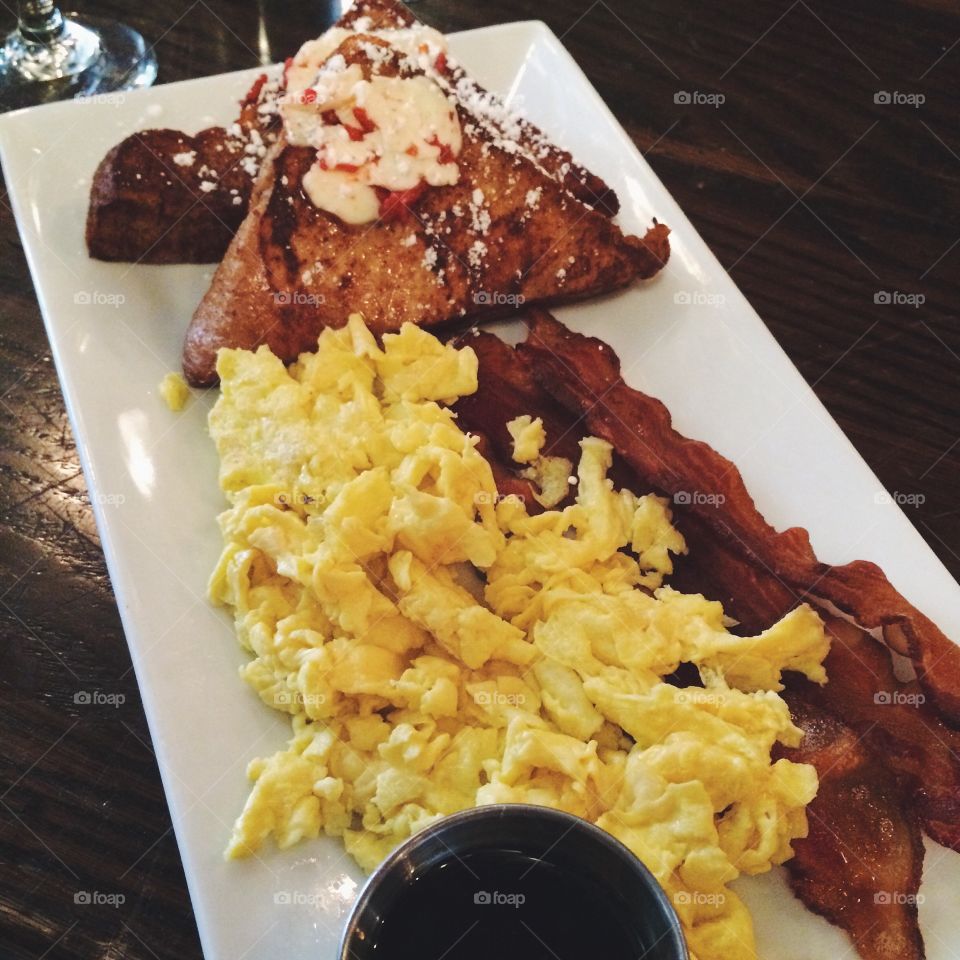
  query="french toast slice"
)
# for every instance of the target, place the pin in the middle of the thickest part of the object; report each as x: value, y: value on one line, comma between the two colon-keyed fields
x: 522, y: 225
x: 148, y: 206
x: 163, y: 196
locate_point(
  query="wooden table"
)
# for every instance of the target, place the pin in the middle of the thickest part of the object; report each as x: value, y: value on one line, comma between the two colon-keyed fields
x: 821, y: 201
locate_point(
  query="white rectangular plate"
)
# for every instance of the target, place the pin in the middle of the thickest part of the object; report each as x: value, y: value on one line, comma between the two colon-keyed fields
x: 116, y: 329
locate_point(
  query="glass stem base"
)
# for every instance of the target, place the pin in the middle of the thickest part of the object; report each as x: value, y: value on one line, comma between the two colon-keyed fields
x: 82, y: 56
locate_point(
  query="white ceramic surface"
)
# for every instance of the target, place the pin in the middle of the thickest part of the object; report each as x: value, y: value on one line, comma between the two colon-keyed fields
x: 116, y: 329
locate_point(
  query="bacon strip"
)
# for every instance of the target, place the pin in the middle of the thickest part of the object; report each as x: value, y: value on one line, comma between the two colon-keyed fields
x: 898, y: 722
x: 583, y: 375
x: 860, y: 864
x: 508, y: 388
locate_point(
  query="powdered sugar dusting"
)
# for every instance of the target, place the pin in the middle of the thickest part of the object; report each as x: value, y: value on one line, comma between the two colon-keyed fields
x: 476, y: 254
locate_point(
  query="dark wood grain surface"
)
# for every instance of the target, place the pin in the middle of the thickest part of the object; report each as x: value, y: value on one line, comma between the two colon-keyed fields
x: 818, y: 199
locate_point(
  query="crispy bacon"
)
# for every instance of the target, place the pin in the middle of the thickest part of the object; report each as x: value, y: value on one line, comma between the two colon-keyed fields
x: 652, y: 250
x: 583, y: 374
x: 508, y: 388
x: 860, y: 864
x: 898, y: 721
x: 749, y: 594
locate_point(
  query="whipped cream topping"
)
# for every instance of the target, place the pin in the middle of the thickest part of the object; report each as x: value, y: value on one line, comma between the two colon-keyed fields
x: 398, y: 134
x: 422, y: 45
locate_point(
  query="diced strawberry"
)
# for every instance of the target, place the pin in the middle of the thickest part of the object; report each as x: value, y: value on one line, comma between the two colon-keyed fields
x: 394, y: 204
x: 363, y: 118
x: 345, y: 167
x: 441, y: 62
x: 253, y: 94
x: 308, y: 96
x: 287, y: 64
x: 355, y: 133
x: 446, y: 152
x: 330, y: 118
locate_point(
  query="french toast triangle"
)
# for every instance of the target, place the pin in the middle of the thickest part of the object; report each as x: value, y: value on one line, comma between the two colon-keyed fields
x: 401, y: 189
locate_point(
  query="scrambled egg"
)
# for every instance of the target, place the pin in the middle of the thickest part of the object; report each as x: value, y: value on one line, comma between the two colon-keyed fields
x: 528, y: 437
x: 438, y: 648
x: 174, y: 391
x: 550, y: 475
